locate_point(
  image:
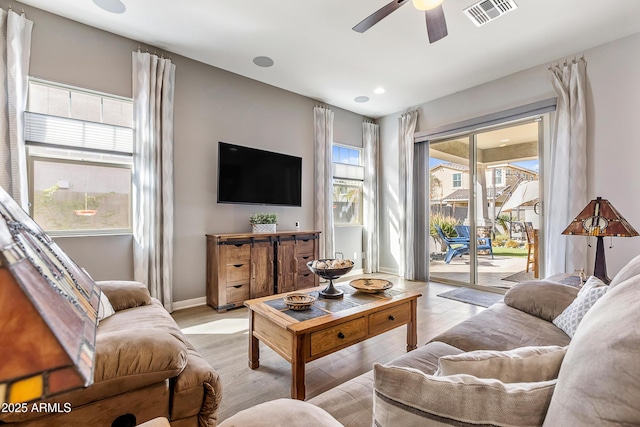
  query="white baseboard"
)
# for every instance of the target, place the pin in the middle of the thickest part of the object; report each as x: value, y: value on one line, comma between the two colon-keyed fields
x: 389, y: 271
x: 354, y: 272
x: 194, y: 302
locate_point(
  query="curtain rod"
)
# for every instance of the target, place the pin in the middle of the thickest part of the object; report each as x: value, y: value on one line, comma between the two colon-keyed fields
x: 155, y: 53
x: 566, y: 62
x: 11, y: 10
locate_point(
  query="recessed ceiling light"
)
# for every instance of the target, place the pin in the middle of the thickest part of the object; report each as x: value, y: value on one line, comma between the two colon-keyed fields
x: 502, y: 145
x: 505, y: 140
x: 263, y: 61
x: 361, y: 99
x: 112, y: 6
x: 379, y: 90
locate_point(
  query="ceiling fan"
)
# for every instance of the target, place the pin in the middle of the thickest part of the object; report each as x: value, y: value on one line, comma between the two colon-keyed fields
x: 434, y: 15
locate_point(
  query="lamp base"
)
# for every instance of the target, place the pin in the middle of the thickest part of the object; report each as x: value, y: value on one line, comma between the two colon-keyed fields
x: 600, y: 268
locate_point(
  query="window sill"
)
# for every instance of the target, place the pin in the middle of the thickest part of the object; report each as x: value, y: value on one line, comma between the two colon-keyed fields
x: 56, y: 235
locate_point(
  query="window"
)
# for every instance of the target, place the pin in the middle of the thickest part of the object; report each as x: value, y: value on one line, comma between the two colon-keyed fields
x: 347, y: 201
x: 348, y: 180
x: 498, y: 177
x: 79, y: 147
x: 457, y: 180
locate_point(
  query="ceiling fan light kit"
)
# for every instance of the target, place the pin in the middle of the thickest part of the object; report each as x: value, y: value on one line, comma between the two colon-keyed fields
x: 434, y: 17
x: 426, y: 4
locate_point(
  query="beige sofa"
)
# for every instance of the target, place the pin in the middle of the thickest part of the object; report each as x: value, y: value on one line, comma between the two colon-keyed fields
x: 144, y: 368
x: 534, y: 374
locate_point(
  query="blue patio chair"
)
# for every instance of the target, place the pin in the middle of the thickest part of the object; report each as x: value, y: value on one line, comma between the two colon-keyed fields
x: 463, y: 231
x: 455, y: 246
x: 484, y: 243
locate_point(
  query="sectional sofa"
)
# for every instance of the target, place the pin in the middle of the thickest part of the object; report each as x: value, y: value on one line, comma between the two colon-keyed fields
x: 508, y: 365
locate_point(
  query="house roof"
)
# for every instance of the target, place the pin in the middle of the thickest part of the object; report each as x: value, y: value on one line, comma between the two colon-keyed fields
x: 463, y: 194
x: 455, y: 166
x: 318, y: 55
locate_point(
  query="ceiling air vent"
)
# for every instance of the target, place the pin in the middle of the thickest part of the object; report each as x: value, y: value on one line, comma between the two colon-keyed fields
x: 488, y: 10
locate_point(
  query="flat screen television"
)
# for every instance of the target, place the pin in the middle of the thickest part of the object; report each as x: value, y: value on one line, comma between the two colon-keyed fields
x: 251, y: 176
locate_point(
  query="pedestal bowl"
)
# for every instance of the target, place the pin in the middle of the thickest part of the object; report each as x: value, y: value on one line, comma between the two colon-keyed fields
x: 325, y: 269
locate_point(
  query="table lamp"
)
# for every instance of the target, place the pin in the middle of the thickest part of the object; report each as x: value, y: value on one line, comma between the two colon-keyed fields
x: 48, y: 313
x: 600, y: 219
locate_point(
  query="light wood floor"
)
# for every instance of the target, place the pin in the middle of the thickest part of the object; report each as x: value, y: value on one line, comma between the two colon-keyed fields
x: 222, y: 339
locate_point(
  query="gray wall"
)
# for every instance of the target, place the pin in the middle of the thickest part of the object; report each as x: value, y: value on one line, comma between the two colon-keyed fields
x: 211, y: 105
x: 612, y: 148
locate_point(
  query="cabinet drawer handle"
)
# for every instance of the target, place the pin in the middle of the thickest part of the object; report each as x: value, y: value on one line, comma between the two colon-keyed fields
x: 239, y: 245
x: 340, y: 335
x: 306, y: 257
x: 237, y: 265
x: 392, y: 317
x: 237, y: 286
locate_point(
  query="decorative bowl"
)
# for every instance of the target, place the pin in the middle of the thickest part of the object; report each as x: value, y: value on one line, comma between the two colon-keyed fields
x: 371, y: 286
x: 299, y: 301
x: 327, y: 272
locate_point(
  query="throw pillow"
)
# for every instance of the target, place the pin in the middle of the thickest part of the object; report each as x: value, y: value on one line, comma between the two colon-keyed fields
x: 125, y: 294
x: 409, y: 397
x: 282, y: 412
x: 632, y: 269
x: 525, y: 364
x: 105, y: 309
x: 570, y: 318
x: 592, y: 282
x: 541, y: 298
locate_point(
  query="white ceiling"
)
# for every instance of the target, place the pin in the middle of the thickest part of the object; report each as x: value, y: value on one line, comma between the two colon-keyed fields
x: 317, y: 54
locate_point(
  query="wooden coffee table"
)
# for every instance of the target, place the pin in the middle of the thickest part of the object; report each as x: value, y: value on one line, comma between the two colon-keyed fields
x: 328, y: 326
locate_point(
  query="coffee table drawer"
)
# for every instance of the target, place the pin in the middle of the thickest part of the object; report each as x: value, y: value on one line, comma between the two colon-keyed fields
x: 390, y: 318
x: 338, y: 336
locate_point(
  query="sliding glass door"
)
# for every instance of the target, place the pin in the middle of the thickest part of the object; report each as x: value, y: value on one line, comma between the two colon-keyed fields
x: 450, y: 180
x: 484, y: 200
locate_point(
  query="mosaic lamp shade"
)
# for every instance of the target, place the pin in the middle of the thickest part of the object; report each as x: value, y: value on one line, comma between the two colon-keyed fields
x: 48, y: 312
x: 600, y: 219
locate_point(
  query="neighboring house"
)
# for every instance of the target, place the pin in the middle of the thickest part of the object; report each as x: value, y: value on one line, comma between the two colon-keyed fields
x: 450, y: 185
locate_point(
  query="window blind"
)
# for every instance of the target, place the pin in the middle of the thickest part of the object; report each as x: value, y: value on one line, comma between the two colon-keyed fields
x: 341, y: 170
x: 42, y: 129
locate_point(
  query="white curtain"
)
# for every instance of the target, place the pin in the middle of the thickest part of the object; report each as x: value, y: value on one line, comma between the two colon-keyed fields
x: 568, y: 173
x: 370, y: 141
x: 323, y: 217
x: 406, y: 218
x: 153, y: 92
x: 15, y: 45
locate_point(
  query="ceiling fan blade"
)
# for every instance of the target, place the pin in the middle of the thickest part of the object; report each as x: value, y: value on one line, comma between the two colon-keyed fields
x: 436, y: 24
x: 378, y: 16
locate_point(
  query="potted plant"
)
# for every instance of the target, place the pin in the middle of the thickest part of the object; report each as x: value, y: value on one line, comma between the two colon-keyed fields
x: 263, y: 222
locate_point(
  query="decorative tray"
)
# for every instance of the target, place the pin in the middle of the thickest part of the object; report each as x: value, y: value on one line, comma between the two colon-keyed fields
x: 299, y: 301
x: 371, y: 286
